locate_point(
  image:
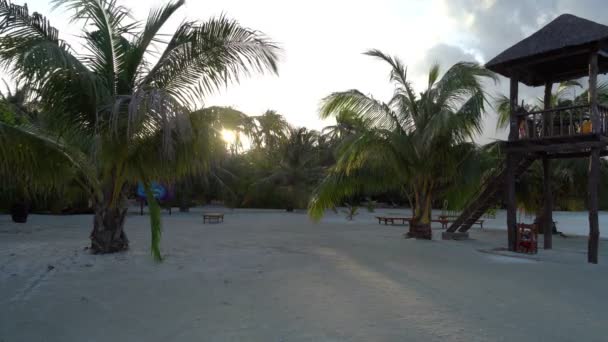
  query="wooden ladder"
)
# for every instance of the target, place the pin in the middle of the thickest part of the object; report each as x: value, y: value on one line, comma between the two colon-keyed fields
x: 488, y: 195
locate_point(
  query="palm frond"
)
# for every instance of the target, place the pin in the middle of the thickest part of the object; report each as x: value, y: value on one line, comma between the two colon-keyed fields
x: 201, y: 58
x: 39, y: 163
x: 30, y: 46
x: 503, y: 109
x: 157, y: 18
x: 460, y: 82
x: 377, y: 113
x: 105, y: 43
x: 433, y: 75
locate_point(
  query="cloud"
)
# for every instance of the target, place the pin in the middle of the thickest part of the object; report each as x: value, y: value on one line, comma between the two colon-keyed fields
x: 487, y: 27
x: 323, y: 41
x: 443, y: 54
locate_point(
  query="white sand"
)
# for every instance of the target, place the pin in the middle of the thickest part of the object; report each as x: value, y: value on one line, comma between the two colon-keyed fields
x: 274, y: 276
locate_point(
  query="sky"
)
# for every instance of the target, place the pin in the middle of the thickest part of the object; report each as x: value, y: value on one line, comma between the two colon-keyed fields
x: 322, y: 43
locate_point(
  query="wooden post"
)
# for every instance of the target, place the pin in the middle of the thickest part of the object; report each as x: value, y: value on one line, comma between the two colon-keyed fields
x: 547, y: 102
x: 513, y: 120
x: 594, y: 229
x: 510, y: 199
x: 594, y: 165
x: 511, y: 160
x: 547, y: 220
x: 593, y: 70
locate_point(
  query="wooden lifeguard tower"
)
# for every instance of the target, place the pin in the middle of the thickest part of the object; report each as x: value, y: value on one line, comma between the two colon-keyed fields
x: 567, y: 48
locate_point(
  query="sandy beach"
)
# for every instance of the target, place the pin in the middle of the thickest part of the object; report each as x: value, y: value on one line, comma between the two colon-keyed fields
x: 268, y: 275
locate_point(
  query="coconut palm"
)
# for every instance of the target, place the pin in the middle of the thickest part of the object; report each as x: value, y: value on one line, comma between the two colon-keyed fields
x: 417, y: 143
x: 218, y: 120
x: 298, y: 167
x: 118, y: 112
x: 270, y: 128
x: 565, y: 174
x: 347, y: 123
x: 18, y: 101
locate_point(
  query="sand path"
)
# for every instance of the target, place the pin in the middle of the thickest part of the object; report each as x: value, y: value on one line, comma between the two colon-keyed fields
x: 273, y: 276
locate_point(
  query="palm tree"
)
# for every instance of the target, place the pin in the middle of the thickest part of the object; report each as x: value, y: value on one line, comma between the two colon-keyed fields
x: 18, y: 100
x: 119, y: 112
x: 347, y: 123
x: 415, y: 143
x: 298, y: 167
x: 270, y: 128
x: 217, y: 119
x: 222, y: 119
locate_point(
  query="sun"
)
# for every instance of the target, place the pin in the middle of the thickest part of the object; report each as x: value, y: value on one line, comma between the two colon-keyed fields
x: 229, y: 136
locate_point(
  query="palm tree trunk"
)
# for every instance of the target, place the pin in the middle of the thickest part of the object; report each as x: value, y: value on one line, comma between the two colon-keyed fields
x: 183, y: 195
x: 420, y: 227
x: 290, y: 201
x: 108, y: 235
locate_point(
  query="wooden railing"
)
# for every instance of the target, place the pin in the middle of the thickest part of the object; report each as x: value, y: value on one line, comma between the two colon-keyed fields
x: 561, y: 122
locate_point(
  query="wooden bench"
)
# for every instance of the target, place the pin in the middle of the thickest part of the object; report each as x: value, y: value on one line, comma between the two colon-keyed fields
x: 452, y: 218
x: 391, y: 219
x: 213, y: 217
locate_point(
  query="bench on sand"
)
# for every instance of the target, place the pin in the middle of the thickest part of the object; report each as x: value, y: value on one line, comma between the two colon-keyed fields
x: 392, y: 219
x: 453, y: 218
x: 213, y: 217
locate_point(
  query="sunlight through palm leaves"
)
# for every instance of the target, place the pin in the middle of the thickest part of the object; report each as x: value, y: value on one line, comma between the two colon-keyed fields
x: 117, y: 114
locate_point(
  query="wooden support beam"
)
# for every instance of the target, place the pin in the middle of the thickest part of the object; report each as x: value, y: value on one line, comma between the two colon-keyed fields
x: 513, y: 98
x: 593, y: 190
x: 547, y: 119
x: 510, y: 200
x: 547, y: 221
x: 556, y: 147
x: 592, y: 93
x: 574, y: 155
x: 511, y: 161
x: 533, y: 62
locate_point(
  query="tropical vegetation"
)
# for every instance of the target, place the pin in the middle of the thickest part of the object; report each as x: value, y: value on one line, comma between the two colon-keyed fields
x: 80, y: 129
x: 116, y: 112
x: 420, y: 143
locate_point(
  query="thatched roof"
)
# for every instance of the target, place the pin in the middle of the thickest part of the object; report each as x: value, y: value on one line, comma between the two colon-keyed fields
x: 556, y: 52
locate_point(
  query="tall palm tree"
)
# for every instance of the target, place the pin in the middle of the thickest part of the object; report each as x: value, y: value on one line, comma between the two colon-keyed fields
x: 270, y: 128
x: 119, y: 112
x: 415, y: 142
x: 298, y: 167
x: 223, y: 119
x: 347, y: 123
x: 217, y: 119
x: 19, y: 101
